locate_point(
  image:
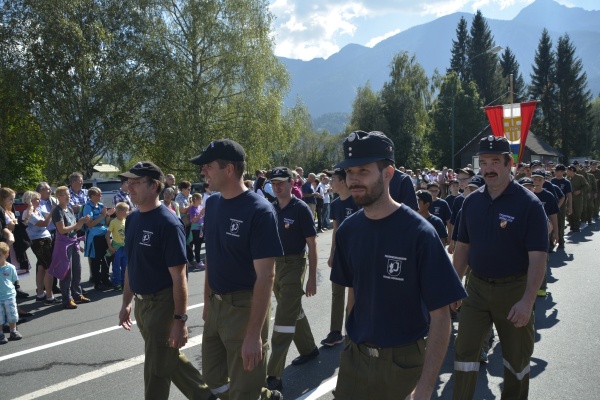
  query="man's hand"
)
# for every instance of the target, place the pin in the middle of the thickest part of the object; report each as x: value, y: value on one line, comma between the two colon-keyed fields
x: 251, y: 352
x: 179, y: 335
x: 311, y: 286
x: 330, y: 261
x: 125, y: 317
x: 520, y: 313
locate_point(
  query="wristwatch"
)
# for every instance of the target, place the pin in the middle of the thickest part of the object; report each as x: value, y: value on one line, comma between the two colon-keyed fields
x: 182, y: 317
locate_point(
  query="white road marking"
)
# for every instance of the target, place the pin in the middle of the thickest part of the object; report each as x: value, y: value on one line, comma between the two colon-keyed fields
x: 73, y: 339
x: 320, y: 390
x: 110, y: 369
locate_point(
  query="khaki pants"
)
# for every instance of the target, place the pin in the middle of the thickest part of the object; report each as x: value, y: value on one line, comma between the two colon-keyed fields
x: 575, y: 217
x: 561, y: 224
x: 290, y: 321
x: 224, y: 333
x: 489, y: 303
x: 338, y: 299
x: 164, y: 364
x: 390, y: 373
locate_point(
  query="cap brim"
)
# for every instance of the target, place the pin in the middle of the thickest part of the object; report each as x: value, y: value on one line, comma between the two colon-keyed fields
x: 353, y: 162
x: 280, y: 179
x: 130, y: 175
x: 202, y: 159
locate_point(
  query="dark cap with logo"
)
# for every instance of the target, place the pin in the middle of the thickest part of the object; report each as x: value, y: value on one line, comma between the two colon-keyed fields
x: 453, y: 180
x: 281, y: 174
x: 525, y: 181
x: 494, y: 145
x: 476, y: 181
x: 144, y: 169
x: 223, y: 149
x: 560, y: 167
x: 572, y: 168
x: 362, y: 148
x: 433, y: 184
x: 539, y: 172
x: 535, y: 163
x: 425, y: 196
x: 575, y: 162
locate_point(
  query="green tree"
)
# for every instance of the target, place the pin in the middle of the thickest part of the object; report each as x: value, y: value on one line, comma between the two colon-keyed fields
x: 24, y: 153
x: 543, y: 88
x: 215, y: 77
x: 459, y: 62
x: 406, y: 98
x: 510, y: 66
x: 574, y: 101
x: 459, y: 104
x: 483, y: 65
x: 79, y: 70
x: 367, y: 111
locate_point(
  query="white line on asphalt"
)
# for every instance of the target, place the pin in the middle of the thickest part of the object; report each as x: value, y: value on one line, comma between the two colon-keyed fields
x: 73, y: 339
x: 320, y: 390
x: 110, y: 369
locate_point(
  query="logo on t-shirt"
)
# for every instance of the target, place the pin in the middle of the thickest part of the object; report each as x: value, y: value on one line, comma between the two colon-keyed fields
x: 288, y: 222
x: 146, y: 237
x: 394, y: 268
x: 349, y: 212
x: 234, y: 227
x: 436, y: 210
x: 505, y: 219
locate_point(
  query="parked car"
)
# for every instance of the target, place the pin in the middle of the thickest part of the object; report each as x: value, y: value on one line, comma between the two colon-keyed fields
x: 109, y: 188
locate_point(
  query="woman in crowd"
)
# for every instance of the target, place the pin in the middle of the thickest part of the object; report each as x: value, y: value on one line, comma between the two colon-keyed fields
x: 168, y: 201
x: 41, y: 244
x: 66, y: 261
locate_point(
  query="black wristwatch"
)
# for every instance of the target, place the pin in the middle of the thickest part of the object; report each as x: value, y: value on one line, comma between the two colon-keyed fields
x: 182, y: 317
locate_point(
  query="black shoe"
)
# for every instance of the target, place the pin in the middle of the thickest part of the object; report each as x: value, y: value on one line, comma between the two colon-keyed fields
x: 333, y: 338
x: 21, y: 294
x: 274, y: 383
x: 276, y: 395
x: 40, y: 299
x: 56, y: 289
x: 101, y: 287
x: 304, y: 359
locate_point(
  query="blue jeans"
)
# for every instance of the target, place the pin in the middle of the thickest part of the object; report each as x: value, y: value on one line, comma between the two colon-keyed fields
x: 325, y: 217
x: 118, y: 267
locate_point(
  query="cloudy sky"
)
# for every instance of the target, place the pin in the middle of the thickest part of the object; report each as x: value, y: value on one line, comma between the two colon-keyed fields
x: 306, y: 29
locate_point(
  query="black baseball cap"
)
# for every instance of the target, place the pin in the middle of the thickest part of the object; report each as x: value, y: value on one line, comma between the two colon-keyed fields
x: 494, y: 145
x: 142, y: 169
x: 281, y: 174
x: 575, y: 162
x: 453, y: 180
x: 525, y: 181
x: 223, y: 149
x: 430, y: 184
x: 465, y: 170
x: 539, y: 172
x: 362, y: 147
x: 476, y: 181
x: 425, y: 196
x: 572, y: 168
x: 560, y: 167
x: 341, y: 172
x: 534, y: 163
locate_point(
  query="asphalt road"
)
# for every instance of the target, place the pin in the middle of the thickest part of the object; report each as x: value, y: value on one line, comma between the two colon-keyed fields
x: 83, y: 354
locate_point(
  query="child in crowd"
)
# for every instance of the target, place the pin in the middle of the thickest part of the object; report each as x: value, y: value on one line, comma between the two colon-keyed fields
x: 196, y: 212
x: 8, y: 295
x: 116, y: 246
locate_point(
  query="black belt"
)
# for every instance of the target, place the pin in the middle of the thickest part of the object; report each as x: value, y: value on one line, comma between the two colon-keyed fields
x: 505, y: 279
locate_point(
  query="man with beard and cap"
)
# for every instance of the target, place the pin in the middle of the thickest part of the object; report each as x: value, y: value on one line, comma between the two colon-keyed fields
x: 503, y: 238
x: 156, y: 276
x: 567, y: 206
x: 579, y: 185
x: 242, y: 242
x: 393, y: 263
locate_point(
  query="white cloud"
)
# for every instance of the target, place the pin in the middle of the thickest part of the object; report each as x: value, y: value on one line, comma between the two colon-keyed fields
x: 378, y: 39
x: 306, y: 29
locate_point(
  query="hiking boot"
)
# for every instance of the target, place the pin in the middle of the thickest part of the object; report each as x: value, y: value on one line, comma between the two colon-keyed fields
x: 70, y: 305
x: 82, y: 299
x: 333, y: 338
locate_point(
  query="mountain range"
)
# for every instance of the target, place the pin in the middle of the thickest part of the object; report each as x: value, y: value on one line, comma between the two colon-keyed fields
x: 329, y: 85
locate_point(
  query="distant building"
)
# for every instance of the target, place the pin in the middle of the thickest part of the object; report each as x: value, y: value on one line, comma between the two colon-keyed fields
x: 535, y: 149
x: 102, y: 170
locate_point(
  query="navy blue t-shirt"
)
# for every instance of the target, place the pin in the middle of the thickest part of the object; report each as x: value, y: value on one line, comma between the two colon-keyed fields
x: 439, y: 226
x: 402, y: 190
x: 550, y: 187
x: 154, y: 241
x: 440, y: 209
x: 456, y: 227
x: 558, y: 192
x: 458, y: 202
x: 548, y: 201
x: 342, y: 209
x: 502, y: 231
x: 236, y: 232
x: 563, y: 184
x: 295, y: 224
x: 399, y: 271
x: 308, y: 188
x: 450, y: 200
